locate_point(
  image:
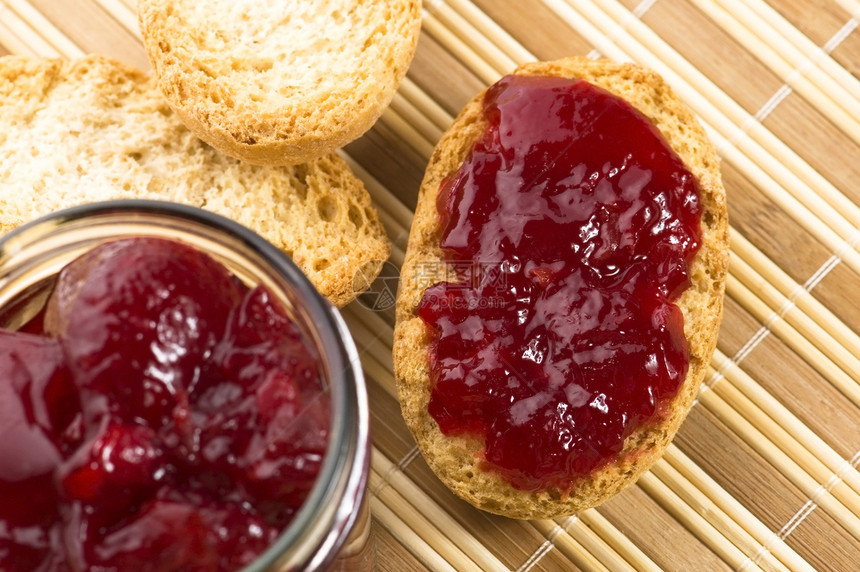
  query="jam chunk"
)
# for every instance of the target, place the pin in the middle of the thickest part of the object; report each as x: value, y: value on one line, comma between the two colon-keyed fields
x: 36, y: 403
x: 571, y: 226
x: 264, y: 417
x: 171, y: 533
x: 138, y: 319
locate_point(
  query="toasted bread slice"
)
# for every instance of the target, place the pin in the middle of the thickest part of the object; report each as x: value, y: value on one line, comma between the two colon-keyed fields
x: 457, y: 460
x: 94, y: 129
x: 279, y: 83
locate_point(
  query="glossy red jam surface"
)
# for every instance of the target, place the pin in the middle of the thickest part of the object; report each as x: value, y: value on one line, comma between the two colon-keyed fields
x: 570, y: 227
x: 166, y: 417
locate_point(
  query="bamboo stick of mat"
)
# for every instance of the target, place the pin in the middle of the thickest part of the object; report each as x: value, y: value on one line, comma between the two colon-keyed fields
x: 735, y: 532
x: 711, y: 536
x: 813, y: 320
x: 808, y: 440
x: 701, y: 481
x: 424, y: 513
x: 124, y: 14
x: 843, y: 379
x: 819, y: 492
x: 798, y: 294
x: 833, y: 99
x: 622, y: 545
x: 799, y: 48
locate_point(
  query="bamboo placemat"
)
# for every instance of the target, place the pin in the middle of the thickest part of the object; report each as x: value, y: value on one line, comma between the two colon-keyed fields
x: 763, y: 474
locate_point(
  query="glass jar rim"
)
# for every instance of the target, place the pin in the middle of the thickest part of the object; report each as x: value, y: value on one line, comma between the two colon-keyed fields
x: 321, y: 525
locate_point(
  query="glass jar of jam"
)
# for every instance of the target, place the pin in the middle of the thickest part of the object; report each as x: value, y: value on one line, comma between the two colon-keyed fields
x: 331, y: 528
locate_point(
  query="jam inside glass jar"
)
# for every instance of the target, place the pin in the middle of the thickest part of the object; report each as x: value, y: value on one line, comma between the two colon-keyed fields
x: 176, y: 396
x: 570, y: 227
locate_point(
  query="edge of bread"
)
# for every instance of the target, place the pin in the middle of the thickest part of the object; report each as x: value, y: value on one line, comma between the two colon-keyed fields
x: 456, y: 459
x: 93, y: 129
x: 279, y: 83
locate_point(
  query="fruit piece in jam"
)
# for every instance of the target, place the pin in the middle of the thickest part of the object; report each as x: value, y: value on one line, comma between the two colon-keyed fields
x: 36, y: 401
x: 137, y: 320
x: 572, y: 225
x: 157, y: 415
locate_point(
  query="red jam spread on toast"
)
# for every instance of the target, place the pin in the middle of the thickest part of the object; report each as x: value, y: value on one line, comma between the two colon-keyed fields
x: 568, y: 234
x: 160, y: 415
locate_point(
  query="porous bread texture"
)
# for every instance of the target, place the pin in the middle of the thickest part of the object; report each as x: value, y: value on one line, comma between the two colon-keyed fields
x: 456, y: 460
x: 279, y: 82
x: 94, y: 129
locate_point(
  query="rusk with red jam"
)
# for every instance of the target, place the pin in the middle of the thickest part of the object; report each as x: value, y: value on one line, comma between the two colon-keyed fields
x: 457, y: 457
